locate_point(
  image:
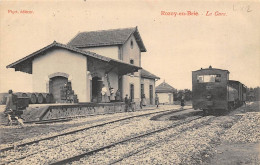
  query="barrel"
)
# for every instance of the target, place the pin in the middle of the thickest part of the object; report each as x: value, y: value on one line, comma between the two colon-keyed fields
x: 52, y: 98
x: 21, y: 94
x: 47, y: 97
x: 33, y: 98
x: 40, y: 98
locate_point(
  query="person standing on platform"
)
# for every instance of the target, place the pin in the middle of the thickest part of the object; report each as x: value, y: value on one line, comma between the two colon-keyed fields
x: 104, y: 94
x: 11, y: 108
x: 157, y: 100
x: 118, y: 95
x: 182, y: 102
x: 143, y: 100
x: 127, y: 101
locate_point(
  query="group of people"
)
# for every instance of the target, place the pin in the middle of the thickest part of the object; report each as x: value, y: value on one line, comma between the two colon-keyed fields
x: 142, y: 102
x: 117, y: 97
x: 111, y: 96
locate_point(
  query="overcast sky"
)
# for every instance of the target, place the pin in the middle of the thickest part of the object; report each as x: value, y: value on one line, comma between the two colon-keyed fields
x: 175, y: 45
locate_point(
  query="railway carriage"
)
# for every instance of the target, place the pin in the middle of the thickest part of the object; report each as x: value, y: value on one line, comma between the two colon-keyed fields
x: 212, y: 90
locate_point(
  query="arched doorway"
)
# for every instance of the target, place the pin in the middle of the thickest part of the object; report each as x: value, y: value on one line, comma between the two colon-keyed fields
x: 55, y: 85
x: 97, y: 84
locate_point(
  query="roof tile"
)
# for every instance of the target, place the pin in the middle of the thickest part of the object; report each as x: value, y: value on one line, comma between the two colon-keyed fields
x: 106, y: 37
x: 146, y: 74
x: 164, y: 87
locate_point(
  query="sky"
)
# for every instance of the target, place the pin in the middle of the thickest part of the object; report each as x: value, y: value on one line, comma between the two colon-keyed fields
x: 176, y: 45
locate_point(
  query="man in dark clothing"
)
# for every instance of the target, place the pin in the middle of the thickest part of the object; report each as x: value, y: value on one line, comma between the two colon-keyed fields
x: 182, y: 102
x: 156, y: 100
x: 127, y: 101
x: 11, y: 108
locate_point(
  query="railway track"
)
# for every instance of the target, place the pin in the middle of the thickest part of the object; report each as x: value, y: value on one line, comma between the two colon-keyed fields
x: 87, y: 127
x: 144, y: 147
x: 72, y: 132
x: 88, y: 153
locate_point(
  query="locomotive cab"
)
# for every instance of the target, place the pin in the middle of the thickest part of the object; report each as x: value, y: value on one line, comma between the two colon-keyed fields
x: 209, y: 89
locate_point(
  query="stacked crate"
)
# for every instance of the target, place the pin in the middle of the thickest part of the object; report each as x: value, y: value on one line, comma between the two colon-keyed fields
x: 67, y: 94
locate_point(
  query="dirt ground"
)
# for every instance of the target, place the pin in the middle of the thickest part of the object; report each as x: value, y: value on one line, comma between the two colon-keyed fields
x: 229, y: 154
x: 238, y: 153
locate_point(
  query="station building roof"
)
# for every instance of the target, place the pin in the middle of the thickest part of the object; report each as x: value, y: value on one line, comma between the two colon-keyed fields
x: 25, y: 64
x: 146, y: 74
x: 106, y: 38
x: 164, y: 88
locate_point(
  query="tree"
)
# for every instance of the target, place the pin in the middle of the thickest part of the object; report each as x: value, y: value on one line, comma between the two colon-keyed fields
x: 253, y: 94
x: 186, y: 93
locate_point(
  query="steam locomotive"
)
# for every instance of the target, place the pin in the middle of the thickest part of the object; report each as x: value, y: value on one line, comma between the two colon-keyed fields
x: 212, y: 91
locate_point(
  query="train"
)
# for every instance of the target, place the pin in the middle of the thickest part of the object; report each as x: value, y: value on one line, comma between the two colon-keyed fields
x: 213, y: 92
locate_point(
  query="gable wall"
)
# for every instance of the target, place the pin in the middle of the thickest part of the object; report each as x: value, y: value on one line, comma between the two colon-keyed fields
x: 61, y: 60
x: 165, y: 98
x: 108, y: 51
x: 135, y: 54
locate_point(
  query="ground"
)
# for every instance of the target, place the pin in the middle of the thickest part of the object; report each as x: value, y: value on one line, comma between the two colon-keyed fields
x: 236, y: 150
x: 232, y: 153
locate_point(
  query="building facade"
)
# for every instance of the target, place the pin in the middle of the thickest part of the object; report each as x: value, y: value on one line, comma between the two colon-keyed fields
x: 91, y: 60
x: 148, y: 86
x: 165, y: 93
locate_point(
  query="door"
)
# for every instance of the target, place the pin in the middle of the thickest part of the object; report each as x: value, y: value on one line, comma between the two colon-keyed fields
x: 55, y: 86
x: 120, y: 86
x: 97, y: 84
x: 132, y: 92
x: 151, y: 94
x: 142, y: 90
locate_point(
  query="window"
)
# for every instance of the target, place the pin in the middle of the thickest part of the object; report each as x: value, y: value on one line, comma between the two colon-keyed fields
x: 132, y: 44
x: 208, y: 78
x: 132, y: 62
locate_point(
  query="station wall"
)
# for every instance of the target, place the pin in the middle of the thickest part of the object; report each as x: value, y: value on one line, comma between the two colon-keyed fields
x: 107, y: 51
x: 130, y: 51
x: 165, y: 98
x: 147, y: 83
x: 64, y: 61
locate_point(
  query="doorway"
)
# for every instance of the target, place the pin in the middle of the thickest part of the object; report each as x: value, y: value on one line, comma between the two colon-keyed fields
x: 132, y: 92
x: 151, y: 94
x: 55, y: 86
x: 97, y: 84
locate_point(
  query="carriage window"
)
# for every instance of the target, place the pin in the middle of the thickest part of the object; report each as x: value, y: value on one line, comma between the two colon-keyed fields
x: 200, y: 79
x: 218, y: 78
x: 208, y: 78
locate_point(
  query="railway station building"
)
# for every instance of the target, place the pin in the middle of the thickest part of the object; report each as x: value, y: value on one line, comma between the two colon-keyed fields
x: 91, y: 60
